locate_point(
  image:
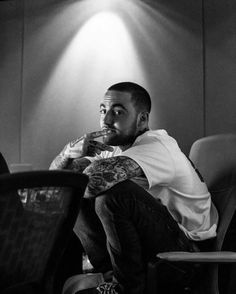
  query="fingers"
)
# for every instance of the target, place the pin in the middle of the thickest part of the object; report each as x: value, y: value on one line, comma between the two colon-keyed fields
x: 85, y: 145
x: 74, y: 142
x: 98, y: 134
x: 89, y: 136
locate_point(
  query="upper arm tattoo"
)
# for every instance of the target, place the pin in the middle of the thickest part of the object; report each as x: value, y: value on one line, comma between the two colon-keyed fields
x: 105, y: 173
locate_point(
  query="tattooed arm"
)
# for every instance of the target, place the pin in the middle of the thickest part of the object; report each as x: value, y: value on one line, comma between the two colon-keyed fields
x: 105, y: 173
x: 63, y: 162
x: 79, y: 164
x: 70, y: 156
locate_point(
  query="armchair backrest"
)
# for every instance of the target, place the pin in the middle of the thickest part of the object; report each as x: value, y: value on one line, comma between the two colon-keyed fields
x: 3, y: 165
x: 37, y: 213
x: 215, y: 158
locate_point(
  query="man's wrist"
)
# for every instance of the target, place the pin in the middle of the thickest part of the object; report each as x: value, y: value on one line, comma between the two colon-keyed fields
x: 60, y: 162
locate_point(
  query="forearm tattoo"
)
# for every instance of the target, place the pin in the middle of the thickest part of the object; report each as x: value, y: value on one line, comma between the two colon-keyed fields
x: 79, y: 164
x: 60, y: 162
x: 105, y: 173
x: 63, y: 162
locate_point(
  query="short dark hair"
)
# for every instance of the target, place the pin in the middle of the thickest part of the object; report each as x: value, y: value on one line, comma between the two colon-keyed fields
x: 140, y: 96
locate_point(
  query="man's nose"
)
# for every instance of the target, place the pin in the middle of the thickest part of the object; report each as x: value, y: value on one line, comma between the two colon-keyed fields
x: 108, y: 120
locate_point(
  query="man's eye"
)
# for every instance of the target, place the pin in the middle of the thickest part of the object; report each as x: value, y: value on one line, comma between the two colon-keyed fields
x: 117, y: 112
x: 102, y: 111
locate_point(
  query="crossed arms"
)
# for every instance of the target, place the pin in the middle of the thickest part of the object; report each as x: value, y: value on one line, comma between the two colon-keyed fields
x: 103, y: 174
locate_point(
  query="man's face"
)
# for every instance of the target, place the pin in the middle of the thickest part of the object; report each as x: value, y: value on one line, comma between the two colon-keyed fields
x: 118, y: 114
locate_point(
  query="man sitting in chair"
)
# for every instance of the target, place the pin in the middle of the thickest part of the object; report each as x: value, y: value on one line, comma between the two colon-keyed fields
x: 144, y: 196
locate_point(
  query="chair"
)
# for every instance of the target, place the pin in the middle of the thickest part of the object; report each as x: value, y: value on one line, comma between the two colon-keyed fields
x: 215, y: 158
x: 3, y: 165
x: 37, y: 212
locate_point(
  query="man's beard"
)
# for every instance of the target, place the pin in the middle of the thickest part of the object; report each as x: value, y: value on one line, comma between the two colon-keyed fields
x: 117, y: 138
x: 114, y: 139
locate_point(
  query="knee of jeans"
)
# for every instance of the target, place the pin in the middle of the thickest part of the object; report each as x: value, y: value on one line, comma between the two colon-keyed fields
x: 117, y: 198
x: 102, y: 203
x: 110, y: 200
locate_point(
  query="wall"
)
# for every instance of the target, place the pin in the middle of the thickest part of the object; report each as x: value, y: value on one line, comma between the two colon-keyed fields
x: 10, y: 79
x: 59, y: 58
x: 220, y: 66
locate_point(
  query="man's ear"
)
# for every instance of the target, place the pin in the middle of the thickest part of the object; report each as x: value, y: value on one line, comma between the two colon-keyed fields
x: 142, y: 121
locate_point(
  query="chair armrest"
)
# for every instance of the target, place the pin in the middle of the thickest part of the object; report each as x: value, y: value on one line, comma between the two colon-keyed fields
x: 199, y: 257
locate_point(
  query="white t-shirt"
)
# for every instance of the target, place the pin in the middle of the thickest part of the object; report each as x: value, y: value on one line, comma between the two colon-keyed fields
x: 171, y: 177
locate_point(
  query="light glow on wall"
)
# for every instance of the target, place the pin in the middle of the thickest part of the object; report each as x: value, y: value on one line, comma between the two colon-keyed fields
x: 101, y: 53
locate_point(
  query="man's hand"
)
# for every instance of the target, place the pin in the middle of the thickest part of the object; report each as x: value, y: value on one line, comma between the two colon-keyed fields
x: 84, y: 146
x: 87, y: 146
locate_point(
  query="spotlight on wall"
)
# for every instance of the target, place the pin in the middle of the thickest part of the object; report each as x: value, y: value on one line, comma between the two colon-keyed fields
x: 101, y: 53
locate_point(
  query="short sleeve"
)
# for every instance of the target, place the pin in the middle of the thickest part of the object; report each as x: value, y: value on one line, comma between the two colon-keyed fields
x: 154, y: 159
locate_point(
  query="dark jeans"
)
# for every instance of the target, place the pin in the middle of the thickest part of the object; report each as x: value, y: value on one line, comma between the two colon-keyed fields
x: 125, y: 227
